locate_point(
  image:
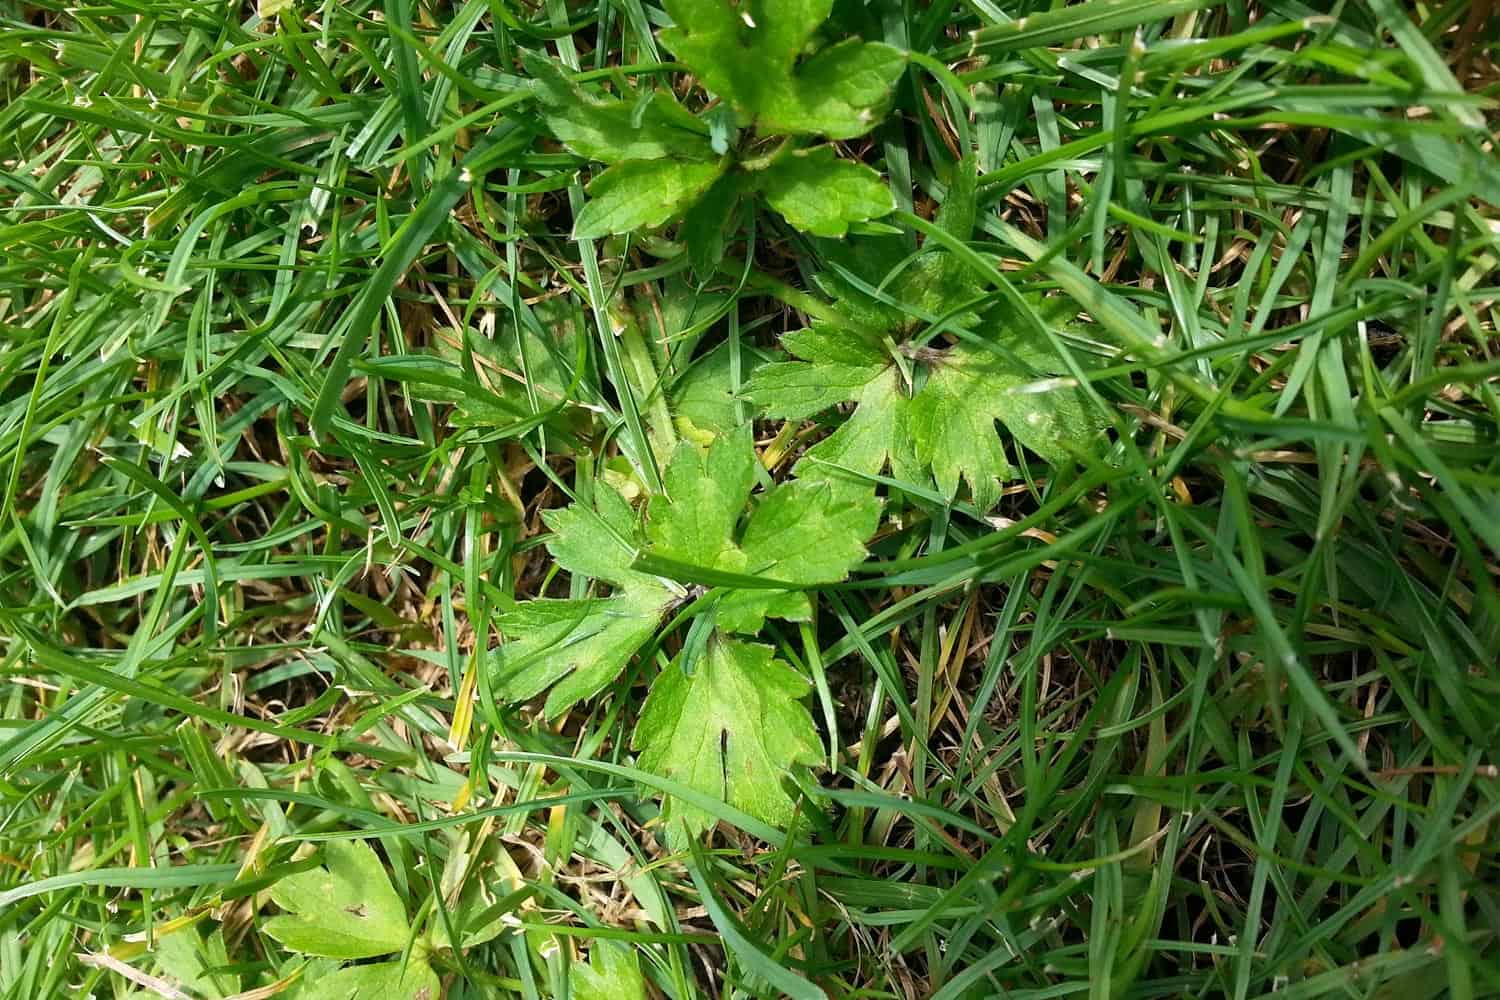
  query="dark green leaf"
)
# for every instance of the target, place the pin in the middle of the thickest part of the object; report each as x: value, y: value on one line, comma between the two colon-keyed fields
x: 822, y: 194
x: 642, y: 194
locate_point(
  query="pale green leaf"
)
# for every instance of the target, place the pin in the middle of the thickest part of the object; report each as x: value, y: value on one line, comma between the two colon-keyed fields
x: 479, y: 879
x: 947, y: 425
x: 805, y: 534
x: 873, y: 437
x: 597, y: 541
x: 821, y: 194
x: 611, y: 973
x: 842, y: 365
x: 346, y: 909
x: 838, y: 365
x: 1051, y: 416
x: 576, y: 648
x: 794, y: 390
x: 706, y: 489
x: 951, y: 424
x: 383, y: 981
x: 642, y: 194
x: 800, y: 533
x: 744, y: 54
x: 744, y: 612
x: 734, y: 730
x: 193, y: 962
x: 810, y: 532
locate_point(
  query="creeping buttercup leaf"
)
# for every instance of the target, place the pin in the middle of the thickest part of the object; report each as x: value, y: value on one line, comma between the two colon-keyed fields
x: 837, y: 364
x: 800, y: 534
x: 345, y: 909
x: 473, y: 882
x: 933, y: 410
x: 703, y: 225
x: 840, y: 91
x: 642, y: 194
x: 930, y: 285
x: 804, y: 534
x: 703, y: 398
x: 749, y: 54
x: 810, y: 532
x: 197, y: 964
x: 611, y: 130
x: 395, y: 980
x: 611, y: 973
x: 951, y: 420
x: 596, y: 540
x: 704, y: 498
x: 745, y: 611
x: 733, y: 729
x: 821, y: 194
x: 577, y: 647
x: 951, y: 425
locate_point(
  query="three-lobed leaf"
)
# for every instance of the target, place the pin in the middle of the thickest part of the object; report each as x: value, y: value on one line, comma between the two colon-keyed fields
x: 813, y: 189
x: 643, y: 194
x: 799, y: 533
x: 733, y: 729
x: 345, y: 909
x: 951, y: 420
x: 749, y: 55
x: 932, y: 411
x: 806, y: 532
x: 611, y: 130
x: 836, y: 364
x: 598, y: 540
x: 574, y: 647
x: 611, y: 973
x: 821, y: 194
x: 577, y: 647
x: 395, y: 980
x: 705, y: 491
x: 841, y: 91
x: 810, y: 531
x: 738, y: 709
